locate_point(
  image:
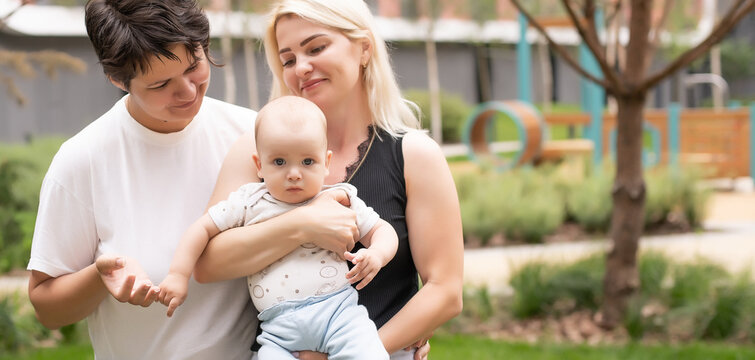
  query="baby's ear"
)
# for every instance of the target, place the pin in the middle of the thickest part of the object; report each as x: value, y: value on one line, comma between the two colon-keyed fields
x: 328, y: 156
x: 257, y: 164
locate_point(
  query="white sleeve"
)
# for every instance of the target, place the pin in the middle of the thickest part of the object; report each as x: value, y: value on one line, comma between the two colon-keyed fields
x: 232, y: 212
x: 65, y: 236
x: 366, y: 216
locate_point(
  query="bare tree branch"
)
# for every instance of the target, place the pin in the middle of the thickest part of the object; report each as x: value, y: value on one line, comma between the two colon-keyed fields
x: 13, y: 90
x: 615, y: 12
x: 588, y: 10
x: 560, y: 49
x: 590, y: 37
x: 656, y: 32
x: 737, y: 11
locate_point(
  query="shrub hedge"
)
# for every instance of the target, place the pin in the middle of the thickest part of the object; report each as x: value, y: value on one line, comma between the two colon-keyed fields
x: 454, y: 112
x: 530, y: 203
x: 677, y: 300
x: 22, y: 168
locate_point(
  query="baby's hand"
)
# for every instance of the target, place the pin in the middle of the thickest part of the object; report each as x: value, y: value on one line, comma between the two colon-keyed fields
x: 367, y: 263
x: 173, y: 291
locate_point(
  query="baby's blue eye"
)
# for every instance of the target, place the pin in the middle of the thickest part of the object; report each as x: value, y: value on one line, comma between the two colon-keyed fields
x: 308, y: 161
x: 279, y: 162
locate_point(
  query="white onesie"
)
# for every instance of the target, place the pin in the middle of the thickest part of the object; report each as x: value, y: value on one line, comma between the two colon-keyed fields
x: 304, y: 272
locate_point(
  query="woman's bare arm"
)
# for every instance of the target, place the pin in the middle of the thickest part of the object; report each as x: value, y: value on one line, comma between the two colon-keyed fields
x: 435, y: 235
x: 247, y: 250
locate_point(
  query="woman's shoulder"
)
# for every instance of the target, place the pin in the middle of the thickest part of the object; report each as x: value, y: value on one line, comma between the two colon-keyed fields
x: 418, y: 146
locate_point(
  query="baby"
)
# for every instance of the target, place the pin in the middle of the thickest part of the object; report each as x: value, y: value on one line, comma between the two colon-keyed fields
x: 305, y: 299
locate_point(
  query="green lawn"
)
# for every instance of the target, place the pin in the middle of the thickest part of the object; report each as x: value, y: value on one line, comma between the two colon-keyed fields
x: 466, y: 347
x: 64, y: 352
x: 475, y: 348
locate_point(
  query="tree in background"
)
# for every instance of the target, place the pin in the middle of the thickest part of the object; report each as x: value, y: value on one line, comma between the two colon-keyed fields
x: 428, y: 11
x: 23, y: 63
x: 629, y: 86
x: 482, y: 11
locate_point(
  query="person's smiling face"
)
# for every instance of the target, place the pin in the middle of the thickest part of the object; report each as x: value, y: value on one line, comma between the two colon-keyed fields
x: 169, y: 94
x: 319, y: 63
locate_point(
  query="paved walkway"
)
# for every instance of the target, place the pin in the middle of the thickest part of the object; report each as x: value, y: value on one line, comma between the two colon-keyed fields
x: 12, y: 283
x: 730, y: 244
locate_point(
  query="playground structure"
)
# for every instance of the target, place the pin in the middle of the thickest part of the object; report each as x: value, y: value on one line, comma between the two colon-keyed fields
x: 721, y: 141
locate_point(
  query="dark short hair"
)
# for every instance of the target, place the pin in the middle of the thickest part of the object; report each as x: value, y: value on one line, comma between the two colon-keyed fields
x: 126, y: 34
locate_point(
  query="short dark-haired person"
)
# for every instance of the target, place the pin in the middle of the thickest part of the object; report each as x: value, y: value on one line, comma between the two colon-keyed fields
x: 119, y: 194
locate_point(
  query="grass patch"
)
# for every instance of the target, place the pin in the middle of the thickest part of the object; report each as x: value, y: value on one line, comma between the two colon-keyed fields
x: 452, y: 347
x: 479, y: 348
x: 63, y: 352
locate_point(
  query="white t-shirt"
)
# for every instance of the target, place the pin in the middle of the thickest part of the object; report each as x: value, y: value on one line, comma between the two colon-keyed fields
x: 118, y: 187
x: 306, y: 271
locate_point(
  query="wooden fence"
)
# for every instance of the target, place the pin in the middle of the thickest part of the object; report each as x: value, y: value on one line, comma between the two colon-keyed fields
x: 719, y: 142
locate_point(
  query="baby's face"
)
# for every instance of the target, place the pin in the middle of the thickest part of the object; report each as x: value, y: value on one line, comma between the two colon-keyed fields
x: 293, y: 164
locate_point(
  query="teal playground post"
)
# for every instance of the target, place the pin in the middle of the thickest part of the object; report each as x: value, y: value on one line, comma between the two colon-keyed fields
x: 524, y: 63
x: 593, y: 96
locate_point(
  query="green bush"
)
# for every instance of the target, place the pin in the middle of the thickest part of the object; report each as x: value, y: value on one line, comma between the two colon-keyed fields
x: 9, y: 337
x: 20, y: 331
x: 704, y: 302
x: 589, y: 202
x: 530, y: 203
x: 580, y: 282
x: 532, y: 296
x: 535, y: 207
x: 654, y: 270
x: 482, y: 206
x: 22, y: 168
x: 454, y: 112
x: 674, y: 197
x: 479, y: 303
x: 522, y: 204
x: 541, y: 288
x: 653, y: 267
x: 729, y: 308
x: 635, y: 323
x: 38, y: 154
x: 692, y: 282
x: 12, y: 206
x: 19, y: 328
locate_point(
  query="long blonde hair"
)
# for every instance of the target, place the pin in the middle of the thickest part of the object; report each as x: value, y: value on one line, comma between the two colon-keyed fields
x: 353, y: 19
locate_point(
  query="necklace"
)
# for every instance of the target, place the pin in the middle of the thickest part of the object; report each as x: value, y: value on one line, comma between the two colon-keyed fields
x: 361, y: 161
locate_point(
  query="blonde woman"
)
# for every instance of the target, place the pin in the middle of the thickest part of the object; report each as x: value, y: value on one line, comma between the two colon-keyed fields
x: 328, y: 52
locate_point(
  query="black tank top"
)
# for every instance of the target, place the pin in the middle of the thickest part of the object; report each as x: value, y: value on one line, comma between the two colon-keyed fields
x: 380, y: 184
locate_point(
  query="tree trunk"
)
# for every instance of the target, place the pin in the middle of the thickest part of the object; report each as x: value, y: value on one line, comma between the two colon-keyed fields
x: 436, y: 127
x: 250, y: 59
x: 715, y: 68
x: 483, y: 75
x: 627, y: 219
x: 546, y: 75
x: 226, y: 48
x: 433, y: 82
